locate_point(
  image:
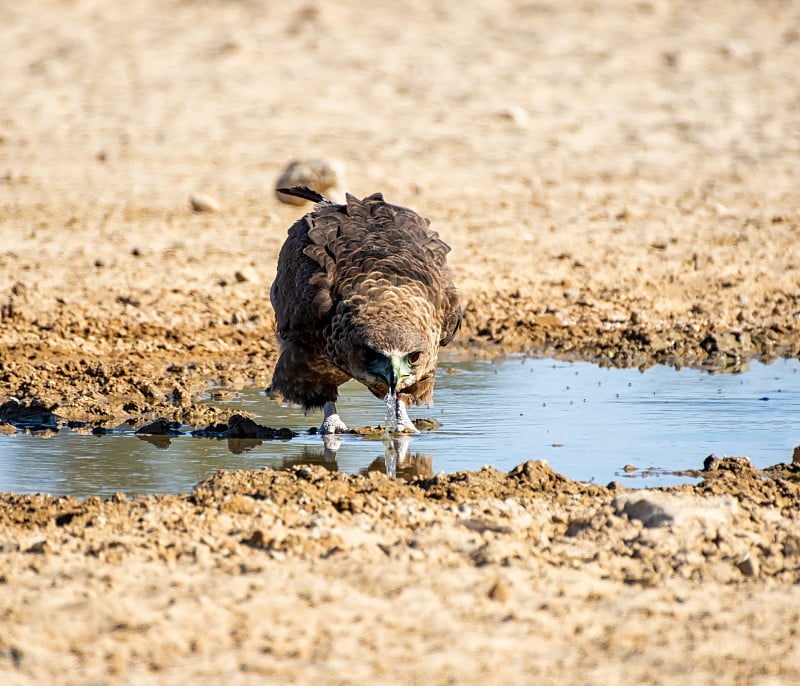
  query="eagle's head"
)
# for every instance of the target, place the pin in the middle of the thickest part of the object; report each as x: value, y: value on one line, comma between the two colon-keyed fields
x: 395, y: 370
x: 391, y: 356
x: 387, y: 346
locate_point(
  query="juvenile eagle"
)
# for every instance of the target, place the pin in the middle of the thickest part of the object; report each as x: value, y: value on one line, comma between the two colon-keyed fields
x: 362, y: 291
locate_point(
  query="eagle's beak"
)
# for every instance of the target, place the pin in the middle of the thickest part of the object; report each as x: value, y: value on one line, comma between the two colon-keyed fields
x: 390, y: 371
x: 395, y: 374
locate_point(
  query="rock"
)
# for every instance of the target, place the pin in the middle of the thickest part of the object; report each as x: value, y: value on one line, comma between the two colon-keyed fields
x: 499, y: 591
x: 655, y: 508
x: 247, y: 275
x: 39, y: 548
x: 748, y: 566
x: 320, y: 175
x: 720, y: 342
x: 638, y: 317
x: 32, y: 414
x: 426, y: 423
x: 241, y: 427
x: 516, y: 115
x: 160, y: 427
x: 650, y: 513
x: 548, y: 321
x: 200, y: 202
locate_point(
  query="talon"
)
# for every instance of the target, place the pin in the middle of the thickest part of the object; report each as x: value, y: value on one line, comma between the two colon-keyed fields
x: 404, y: 423
x: 332, y: 424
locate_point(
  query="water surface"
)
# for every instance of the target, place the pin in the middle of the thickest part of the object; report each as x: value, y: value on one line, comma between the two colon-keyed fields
x: 588, y: 422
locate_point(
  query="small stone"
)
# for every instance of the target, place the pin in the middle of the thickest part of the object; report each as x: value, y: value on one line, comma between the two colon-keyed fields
x: 317, y: 174
x: 650, y: 513
x: 499, y: 591
x: 39, y: 548
x: 547, y: 321
x: 796, y: 455
x: 671, y: 58
x: 426, y: 423
x: 748, y: 566
x: 515, y: 115
x: 247, y: 275
x: 257, y: 539
x: 638, y: 317
x: 656, y: 508
x: 200, y: 202
x: 629, y: 468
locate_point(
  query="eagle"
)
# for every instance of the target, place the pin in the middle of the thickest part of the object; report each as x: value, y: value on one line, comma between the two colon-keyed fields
x: 362, y: 291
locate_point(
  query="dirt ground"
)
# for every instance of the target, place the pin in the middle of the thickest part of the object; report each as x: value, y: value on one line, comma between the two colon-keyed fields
x: 618, y: 181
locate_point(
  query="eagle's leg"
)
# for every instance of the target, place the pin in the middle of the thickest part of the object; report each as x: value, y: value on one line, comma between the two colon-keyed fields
x: 332, y: 424
x: 404, y: 422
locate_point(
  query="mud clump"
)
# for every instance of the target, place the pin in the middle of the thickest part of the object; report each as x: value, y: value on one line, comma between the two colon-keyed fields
x: 239, y: 426
x: 29, y: 414
x: 160, y: 427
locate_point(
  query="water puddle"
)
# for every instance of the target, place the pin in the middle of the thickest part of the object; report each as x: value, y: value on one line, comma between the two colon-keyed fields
x: 589, y: 423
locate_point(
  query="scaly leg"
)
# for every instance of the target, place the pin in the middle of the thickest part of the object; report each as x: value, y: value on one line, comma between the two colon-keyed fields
x: 404, y: 423
x: 332, y: 424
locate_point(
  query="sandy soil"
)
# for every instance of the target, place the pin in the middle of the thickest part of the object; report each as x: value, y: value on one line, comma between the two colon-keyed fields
x: 618, y: 182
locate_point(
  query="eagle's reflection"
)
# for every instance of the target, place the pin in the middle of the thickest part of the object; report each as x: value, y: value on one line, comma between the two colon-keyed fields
x: 396, y: 460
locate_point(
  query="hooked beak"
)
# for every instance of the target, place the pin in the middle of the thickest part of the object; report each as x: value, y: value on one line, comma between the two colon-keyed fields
x: 395, y: 374
x: 390, y: 371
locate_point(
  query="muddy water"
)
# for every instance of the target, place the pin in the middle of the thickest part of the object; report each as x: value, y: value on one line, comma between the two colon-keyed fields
x: 590, y: 423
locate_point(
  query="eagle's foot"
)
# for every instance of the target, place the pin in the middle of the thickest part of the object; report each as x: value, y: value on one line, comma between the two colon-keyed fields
x: 332, y: 423
x: 404, y: 423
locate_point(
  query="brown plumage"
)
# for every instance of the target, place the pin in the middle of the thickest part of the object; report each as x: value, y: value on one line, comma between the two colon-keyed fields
x: 362, y: 291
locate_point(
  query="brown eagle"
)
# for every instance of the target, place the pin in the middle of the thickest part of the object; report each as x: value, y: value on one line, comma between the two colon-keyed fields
x: 362, y: 291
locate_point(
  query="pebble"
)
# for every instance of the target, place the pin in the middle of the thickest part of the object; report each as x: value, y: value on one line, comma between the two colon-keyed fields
x: 748, y: 566
x: 638, y: 317
x: 655, y: 509
x: 499, y: 591
x: 317, y: 174
x: 200, y: 202
x: 515, y: 114
x: 247, y: 275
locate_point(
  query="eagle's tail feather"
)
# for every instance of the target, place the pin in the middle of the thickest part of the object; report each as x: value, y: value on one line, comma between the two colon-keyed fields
x: 305, y: 193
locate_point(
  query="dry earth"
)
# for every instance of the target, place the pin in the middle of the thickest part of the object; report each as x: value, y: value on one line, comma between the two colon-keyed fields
x: 618, y: 182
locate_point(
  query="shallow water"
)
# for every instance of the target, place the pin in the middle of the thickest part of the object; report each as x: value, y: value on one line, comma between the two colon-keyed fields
x: 588, y: 422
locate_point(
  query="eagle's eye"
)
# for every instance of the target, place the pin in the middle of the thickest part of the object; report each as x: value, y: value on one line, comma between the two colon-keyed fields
x: 413, y: 358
